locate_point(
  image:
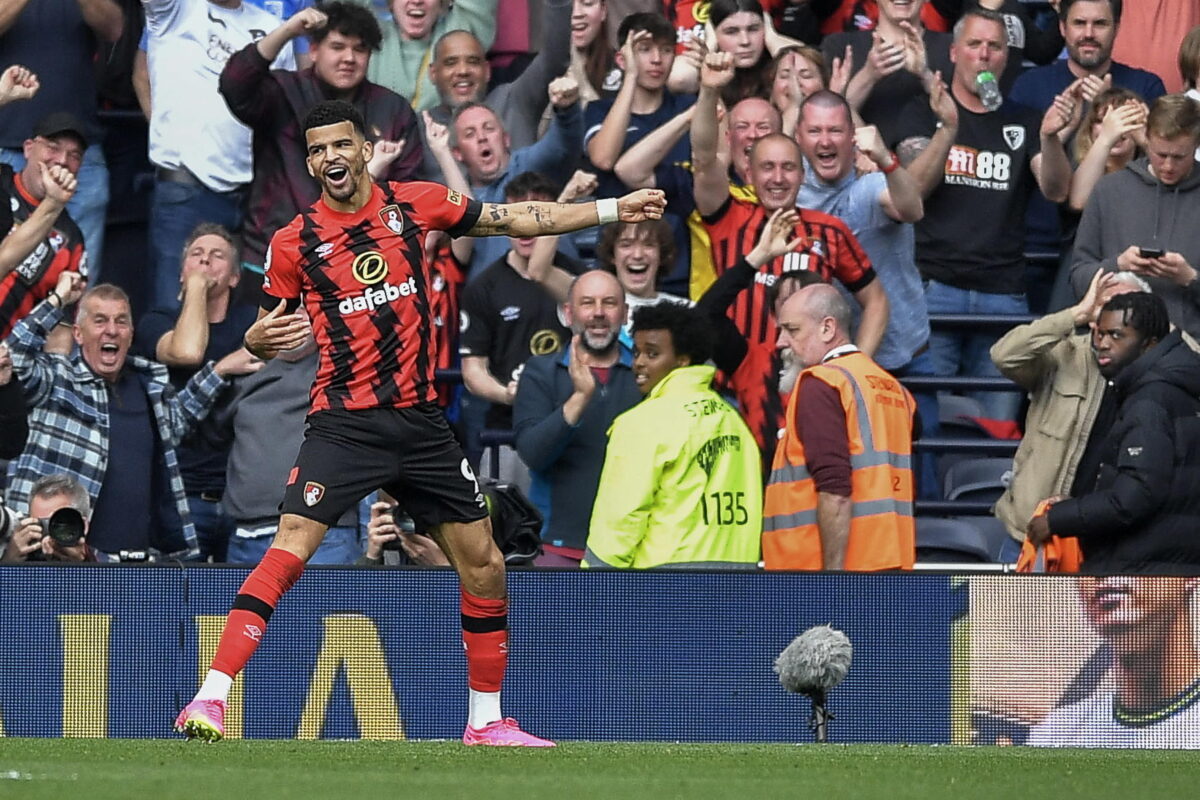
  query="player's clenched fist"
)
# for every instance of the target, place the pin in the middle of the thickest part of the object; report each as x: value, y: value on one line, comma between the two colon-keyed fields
x: 276, y: 332
x: 641, y: 205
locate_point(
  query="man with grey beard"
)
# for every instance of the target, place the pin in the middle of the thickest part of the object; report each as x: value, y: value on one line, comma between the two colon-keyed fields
x: 564, y: 406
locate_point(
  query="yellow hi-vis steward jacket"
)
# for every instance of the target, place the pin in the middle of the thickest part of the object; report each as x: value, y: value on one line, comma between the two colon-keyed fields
x: 682, y: 482
x: 879, y: 422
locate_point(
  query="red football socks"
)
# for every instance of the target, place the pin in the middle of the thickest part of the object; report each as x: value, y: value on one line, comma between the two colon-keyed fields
x: 485, y: 638
x: 252, y: 608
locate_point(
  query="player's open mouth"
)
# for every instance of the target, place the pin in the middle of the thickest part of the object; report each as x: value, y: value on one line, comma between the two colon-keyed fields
x: 337, y: 174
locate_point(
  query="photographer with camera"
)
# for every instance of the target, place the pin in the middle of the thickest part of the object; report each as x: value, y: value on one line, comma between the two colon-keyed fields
x: 56, y: 527
x: 392, y: 538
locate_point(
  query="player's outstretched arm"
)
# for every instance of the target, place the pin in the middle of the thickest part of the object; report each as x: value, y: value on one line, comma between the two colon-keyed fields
x: 541, y: 218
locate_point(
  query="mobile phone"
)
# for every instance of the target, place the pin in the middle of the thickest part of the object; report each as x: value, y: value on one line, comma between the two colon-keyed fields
x: 1150, y: 252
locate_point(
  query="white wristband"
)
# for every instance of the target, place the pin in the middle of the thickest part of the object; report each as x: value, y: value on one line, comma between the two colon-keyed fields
x: 606, y: 209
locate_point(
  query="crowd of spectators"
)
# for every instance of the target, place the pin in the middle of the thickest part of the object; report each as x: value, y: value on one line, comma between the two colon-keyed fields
x: 950, y: 157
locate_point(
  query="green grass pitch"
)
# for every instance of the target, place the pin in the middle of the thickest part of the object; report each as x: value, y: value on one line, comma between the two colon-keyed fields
x: 249, y: 770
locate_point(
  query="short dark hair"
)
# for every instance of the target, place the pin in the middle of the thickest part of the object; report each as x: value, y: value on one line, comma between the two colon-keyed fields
x: 691, y: 334
x: 331, y: 112
x: 1116, y: 5
x: 658, y: 231
x: 437, y: 46
x: 530, y: 186
x: 659, y: 28
x: 1146, y: 313
x: 350, y: 20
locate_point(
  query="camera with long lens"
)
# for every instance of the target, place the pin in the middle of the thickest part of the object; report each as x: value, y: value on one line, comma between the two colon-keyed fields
x: 64, y: 526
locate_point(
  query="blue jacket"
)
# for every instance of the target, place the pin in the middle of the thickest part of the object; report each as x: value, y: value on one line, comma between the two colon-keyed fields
x: 566, y: 460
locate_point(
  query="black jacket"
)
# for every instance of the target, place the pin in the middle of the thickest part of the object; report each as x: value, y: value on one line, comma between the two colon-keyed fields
x: 1143, y: 515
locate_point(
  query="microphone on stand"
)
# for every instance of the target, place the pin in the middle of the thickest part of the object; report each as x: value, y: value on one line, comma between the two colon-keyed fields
x: 813, y: 664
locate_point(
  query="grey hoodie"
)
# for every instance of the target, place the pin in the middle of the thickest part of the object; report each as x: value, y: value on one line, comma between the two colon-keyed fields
x: 1131, y: 207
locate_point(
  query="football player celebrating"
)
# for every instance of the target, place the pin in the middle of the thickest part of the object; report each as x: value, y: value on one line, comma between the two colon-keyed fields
x: 356, y: 260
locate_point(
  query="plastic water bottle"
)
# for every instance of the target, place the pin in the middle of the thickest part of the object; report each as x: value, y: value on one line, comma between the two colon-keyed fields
x: 989, y: 91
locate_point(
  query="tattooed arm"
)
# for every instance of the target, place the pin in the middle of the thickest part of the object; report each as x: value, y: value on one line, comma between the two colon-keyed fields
x: 542, y: 218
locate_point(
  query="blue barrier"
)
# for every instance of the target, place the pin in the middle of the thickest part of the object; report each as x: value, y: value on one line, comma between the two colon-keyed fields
x: 116, y: 650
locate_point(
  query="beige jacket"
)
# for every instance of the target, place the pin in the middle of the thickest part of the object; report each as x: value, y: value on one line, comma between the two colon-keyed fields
x: 1056, y: 366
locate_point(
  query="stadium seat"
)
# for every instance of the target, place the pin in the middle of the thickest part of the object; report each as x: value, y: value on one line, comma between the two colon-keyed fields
x: 950, y: 540
x: 955, y: 413
x: 977, y: 479
x: 995, y: 535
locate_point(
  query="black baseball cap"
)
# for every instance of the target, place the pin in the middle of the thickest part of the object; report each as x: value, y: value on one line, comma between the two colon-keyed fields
x: 58, y: 123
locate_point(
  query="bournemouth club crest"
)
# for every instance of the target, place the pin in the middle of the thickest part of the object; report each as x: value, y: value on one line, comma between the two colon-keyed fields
x: 313, y: 492
x: 392, y: 219
x: 1014, y: 136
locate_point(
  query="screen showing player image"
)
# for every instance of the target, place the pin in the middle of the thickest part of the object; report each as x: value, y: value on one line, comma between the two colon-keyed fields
x: 1085, y: 662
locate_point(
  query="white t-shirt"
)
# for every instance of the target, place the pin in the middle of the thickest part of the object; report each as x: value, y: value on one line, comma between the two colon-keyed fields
x: 1092, y: 722
x: 190, y: 125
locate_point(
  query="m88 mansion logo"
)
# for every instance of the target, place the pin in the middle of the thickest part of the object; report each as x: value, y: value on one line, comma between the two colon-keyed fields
x: 981, y: 169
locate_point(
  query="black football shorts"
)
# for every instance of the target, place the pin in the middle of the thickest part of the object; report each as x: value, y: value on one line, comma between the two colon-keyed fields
x: 408, y: 452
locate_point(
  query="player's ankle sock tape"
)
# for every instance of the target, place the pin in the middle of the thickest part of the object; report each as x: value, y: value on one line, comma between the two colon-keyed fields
x: 485, y: 638
x: 252, y: 608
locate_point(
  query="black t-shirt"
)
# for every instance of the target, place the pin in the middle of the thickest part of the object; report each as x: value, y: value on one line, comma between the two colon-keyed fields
x: 125, y: 509
x: 886, y: 107
x: 509, y: 319
x: 973, y: 233
x: 200, y: 463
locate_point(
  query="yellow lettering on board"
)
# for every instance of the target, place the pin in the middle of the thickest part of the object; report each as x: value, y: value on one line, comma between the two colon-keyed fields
x: 352, y: 641
x: 85, y: 674
x: 208, y: 635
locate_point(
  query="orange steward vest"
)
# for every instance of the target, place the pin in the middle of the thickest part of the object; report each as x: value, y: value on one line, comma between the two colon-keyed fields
x: 879, y: 420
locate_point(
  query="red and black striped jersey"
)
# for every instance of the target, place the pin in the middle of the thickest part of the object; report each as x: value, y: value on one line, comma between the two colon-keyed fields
x: 829, y: 249
x: 449, y: 278
x: 30, y: 281
x: 368, y: 290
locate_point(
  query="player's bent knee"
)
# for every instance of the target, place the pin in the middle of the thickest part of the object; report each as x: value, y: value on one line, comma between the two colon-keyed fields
x: 299, y: 536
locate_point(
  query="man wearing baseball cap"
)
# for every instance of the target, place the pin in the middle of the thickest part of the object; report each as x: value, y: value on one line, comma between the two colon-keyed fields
x: 44, y: 241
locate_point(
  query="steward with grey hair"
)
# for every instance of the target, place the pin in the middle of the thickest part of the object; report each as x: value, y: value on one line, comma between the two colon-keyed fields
x: 840, y: 493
